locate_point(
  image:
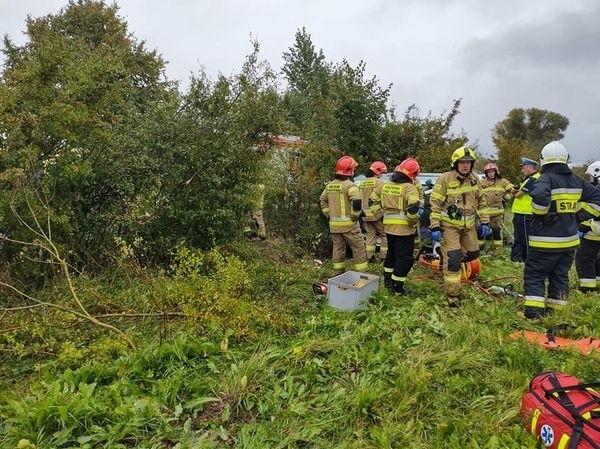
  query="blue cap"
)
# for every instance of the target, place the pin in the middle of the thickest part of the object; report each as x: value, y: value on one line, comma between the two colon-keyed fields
x: 527, y: 161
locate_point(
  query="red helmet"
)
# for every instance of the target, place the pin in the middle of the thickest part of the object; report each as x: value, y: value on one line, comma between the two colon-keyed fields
x: 491, y: 166
x: 410, y: 167
x: 345, y: 166
x: 378, y: 168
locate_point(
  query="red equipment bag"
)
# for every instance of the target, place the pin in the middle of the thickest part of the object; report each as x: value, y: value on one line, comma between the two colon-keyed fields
x: 562, y: 412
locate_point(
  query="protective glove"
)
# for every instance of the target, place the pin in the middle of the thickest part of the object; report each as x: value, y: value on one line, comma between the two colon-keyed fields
x: 580, y: 234
x: 436, y: 234
x: 486, y: 231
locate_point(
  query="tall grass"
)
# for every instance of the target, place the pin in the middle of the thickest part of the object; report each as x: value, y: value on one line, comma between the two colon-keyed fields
x: 405, y: 372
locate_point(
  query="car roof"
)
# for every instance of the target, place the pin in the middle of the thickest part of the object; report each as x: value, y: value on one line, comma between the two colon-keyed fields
x: 422, y: 177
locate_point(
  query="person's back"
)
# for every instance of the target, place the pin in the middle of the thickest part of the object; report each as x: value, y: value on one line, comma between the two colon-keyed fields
x: 554, y: 202
x: 399, y: 201
x: 341, y: 203
x: 559, y: 201
x: 372, y: 221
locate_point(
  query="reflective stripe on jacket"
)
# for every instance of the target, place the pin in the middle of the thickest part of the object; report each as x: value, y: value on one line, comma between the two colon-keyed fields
x: 522, y: 204
x: 366, y: 187
x: 558, y: 199
x: 336, y: 203
x: 496, y: 191
x: 395, y: 199
x: 452, y: 189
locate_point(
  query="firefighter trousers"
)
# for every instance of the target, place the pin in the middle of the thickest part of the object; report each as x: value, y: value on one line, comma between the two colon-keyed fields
x: 496, y: 225
x: 356, y: 243
x: 458, y: 245
x: 552, y: 266
x: 399, y: 259
x: 521, y: 223
x: 587, y: 262
x: 375, y: 229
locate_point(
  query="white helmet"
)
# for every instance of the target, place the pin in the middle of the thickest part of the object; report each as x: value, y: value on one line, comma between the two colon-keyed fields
x: 554, y: 152
x: 594, y: 169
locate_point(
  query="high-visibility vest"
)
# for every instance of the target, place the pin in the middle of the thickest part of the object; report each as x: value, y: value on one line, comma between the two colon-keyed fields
x: 522, y: 204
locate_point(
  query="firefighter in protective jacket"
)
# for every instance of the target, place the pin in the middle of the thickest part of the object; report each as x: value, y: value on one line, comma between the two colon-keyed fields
x: 341, y: 202
x: 399, y: 201
x: 497, y: 191
x: 587, y: 257
x: 456, y: 199
x: 559, y: 201
x: 372, y: 221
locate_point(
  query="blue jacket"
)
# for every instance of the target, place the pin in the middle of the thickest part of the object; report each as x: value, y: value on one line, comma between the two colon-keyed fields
x: 560, y: 200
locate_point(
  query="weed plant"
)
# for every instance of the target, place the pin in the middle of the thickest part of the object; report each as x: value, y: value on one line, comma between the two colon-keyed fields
x: 404, y: 372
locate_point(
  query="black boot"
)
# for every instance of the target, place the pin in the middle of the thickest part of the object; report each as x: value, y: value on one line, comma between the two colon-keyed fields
x: 387, y: 282
x: 398, y: 288
x: 454, y: 302
x: 534, y: 313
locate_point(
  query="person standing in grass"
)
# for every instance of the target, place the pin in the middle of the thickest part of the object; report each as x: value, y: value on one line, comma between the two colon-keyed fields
x: 587, y: 257
x: 521, y: 209
x: 372, y: 222
x: 257, y: 212
x: 341, y: 202
x: 559, y: 200
x: 497, y: 191
x: 399, y: 201
x: 456, y: 200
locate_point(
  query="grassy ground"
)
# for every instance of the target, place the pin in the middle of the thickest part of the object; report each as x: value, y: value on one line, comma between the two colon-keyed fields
x: 405, y: 372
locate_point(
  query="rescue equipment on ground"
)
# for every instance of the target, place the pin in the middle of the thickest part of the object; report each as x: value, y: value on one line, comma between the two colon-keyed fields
x: 561, y: 412
x: 351, y: 290
x: 468, y: 270
x: 548, y: 340
x: 319, y: 288
x: 505, y: 291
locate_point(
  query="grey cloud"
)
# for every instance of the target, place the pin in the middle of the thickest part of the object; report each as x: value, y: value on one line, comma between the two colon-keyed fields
x: 566, y: 41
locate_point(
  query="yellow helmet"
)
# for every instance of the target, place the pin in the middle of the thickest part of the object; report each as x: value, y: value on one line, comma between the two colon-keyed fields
x: 462, y: 154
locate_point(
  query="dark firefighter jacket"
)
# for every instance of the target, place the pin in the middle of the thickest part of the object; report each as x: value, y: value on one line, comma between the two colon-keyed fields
x: 559, y: 201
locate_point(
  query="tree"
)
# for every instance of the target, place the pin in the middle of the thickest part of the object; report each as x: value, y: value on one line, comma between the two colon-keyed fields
x: 535, y: 126
x: 214, y: 158
x: 305, y: 68
x: 426, y: 138
x: 73, y: 100
x: 361, y: 110
x: 523, y: 133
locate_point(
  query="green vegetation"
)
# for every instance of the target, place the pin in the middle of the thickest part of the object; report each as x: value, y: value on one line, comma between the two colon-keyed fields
x: 253, y: 359
x: 134, y: 314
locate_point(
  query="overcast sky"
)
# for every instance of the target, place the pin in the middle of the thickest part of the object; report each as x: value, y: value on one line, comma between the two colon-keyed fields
x: 495, y: 55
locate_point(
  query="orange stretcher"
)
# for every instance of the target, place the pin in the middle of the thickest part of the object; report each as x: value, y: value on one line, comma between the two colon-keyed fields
x: 549, y: 341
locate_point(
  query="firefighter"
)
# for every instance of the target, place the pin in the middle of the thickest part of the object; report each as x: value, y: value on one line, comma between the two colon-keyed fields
x: 559, y: 200
x: 497, y: 192
x: 257, y: 212
x: 587, y: 257
x: 399, y: 201
x: 457, y: 196
x: 373, y: 222
x: 521, y: 209
x: 341, y: 202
